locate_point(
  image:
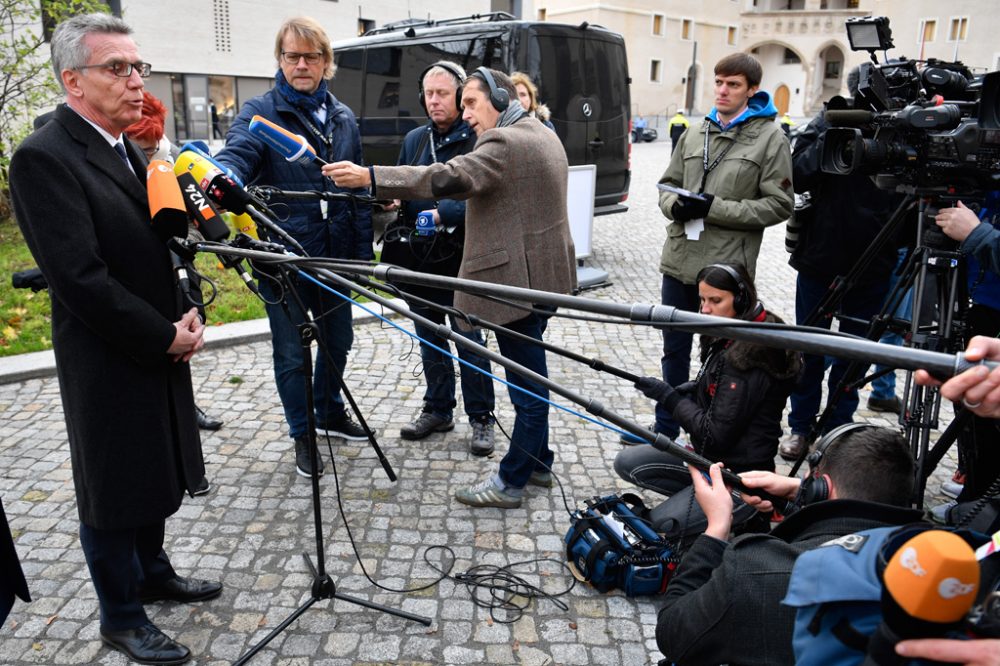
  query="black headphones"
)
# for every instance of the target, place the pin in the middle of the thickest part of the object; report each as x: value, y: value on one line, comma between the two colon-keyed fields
x: 452, y: 69
x: 816, y: 486
x: 741, y: 300
x: 499, y: 97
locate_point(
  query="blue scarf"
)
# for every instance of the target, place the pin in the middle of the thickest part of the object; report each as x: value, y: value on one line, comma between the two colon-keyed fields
x: 300, y: 100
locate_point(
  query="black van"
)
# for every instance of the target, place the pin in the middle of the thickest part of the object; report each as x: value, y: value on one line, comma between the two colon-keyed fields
x: 581, y: 72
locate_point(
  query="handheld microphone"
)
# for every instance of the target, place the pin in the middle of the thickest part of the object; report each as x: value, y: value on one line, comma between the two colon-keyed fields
x: 180, y: 270
x: 229, y: 195
x: 206, y: 218
x: 930, y: 583
x: 241, y: 224
x: 201, y: 148
x: 293, y: 147
x: 167, y: 212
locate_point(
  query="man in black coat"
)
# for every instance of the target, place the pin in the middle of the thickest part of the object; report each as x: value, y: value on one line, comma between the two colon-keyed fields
x: 724, y: 604
x: 120, y: 340
x: 847, y: 213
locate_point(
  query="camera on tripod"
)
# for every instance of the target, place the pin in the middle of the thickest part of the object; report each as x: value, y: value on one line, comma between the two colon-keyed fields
x: 935, y: 128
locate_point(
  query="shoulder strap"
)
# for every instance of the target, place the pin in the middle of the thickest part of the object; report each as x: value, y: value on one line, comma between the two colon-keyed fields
x: 420, y: 147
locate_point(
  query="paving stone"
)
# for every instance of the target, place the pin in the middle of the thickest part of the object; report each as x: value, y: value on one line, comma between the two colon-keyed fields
x: 251, y: 531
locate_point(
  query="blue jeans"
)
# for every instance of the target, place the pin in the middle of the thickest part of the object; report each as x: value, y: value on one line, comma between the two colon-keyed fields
x: 333, y: 318
x: 529, y: 442
x: 884, y: 388
x: 676, y: 361
x: 863, y: 302
x: 439, y: 370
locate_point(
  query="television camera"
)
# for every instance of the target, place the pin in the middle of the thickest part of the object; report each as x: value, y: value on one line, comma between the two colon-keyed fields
x: 929, y: 129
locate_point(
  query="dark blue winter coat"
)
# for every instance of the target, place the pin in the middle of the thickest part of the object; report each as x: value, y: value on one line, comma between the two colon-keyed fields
x: 440, y: 254
x: 457, y: 140
x: 345, y: 232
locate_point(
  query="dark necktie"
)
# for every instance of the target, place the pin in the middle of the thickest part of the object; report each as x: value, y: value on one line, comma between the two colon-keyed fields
x: 120, y: 149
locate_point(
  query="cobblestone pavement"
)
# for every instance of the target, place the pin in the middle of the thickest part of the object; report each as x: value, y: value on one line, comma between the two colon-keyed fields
x: 250, y: 531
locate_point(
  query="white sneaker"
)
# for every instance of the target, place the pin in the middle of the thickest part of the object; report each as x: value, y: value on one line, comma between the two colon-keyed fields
x: 941, y: 513
x: 952, y: 489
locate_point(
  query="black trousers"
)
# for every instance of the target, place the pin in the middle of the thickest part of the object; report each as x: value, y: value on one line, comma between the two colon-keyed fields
x: 981, y: 459
x: 120, y: 562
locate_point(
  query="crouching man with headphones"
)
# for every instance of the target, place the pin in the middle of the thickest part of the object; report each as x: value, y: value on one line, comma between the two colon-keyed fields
x: 724, y: 603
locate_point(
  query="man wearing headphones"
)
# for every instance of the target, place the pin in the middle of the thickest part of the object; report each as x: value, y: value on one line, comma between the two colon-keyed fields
x: 861, y: 478
x: 445, y: 136
x: 516, y: 233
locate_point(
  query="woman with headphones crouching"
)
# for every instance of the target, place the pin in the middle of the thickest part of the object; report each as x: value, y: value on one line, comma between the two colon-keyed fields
x: 732, y: 410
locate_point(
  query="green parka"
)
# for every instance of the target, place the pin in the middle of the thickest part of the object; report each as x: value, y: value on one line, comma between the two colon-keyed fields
x: 752, y: 186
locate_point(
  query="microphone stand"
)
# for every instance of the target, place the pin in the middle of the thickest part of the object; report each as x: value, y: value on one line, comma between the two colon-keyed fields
x: 323, y: 586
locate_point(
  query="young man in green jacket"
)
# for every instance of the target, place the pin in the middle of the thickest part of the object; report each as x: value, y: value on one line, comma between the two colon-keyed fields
x: 738, y: 159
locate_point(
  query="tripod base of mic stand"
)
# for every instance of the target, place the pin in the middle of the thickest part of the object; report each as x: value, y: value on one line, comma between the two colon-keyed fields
x: 323, y: 587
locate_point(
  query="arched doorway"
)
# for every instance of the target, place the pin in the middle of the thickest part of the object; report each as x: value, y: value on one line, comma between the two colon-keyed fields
x: 781, y: 95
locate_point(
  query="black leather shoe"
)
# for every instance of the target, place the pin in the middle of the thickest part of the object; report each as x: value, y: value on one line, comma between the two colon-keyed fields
x: 180, y: 589
x: 204, y: 487
x: 205, y: 422
x: 146, y: 645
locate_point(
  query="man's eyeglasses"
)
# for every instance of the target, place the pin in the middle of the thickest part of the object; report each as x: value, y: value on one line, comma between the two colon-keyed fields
x: 124, y: 69
x: 292, y: 58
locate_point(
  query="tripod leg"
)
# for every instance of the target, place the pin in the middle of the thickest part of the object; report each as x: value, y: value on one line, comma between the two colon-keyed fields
x: 426, y: 621
x: 246, y: 657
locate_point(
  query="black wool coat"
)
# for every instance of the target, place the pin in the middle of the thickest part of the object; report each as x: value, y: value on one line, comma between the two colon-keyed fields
x: 129, y: 407
x: 723, y: 605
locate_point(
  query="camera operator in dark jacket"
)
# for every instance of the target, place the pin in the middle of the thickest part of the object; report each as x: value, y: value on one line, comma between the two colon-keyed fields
x: 723, y: 605
x: 847, y: 214
x: 732, y: 411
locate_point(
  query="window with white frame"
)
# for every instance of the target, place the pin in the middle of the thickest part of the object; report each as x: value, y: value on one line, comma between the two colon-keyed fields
x: 655, y: 70
x: 687, y: 29
x: 731, y: 35
x: 658, y: 25
x: 959, y: 29
x: 928, y: 31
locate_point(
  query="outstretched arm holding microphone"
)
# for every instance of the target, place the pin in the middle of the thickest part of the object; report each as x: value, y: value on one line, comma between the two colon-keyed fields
x: 978, y: 388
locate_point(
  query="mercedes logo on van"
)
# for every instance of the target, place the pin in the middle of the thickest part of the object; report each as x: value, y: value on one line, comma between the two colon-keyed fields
x: 587, y: 110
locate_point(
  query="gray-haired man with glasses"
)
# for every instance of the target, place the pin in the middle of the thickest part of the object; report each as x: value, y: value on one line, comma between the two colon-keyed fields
x: 121, y: 343
x: 122, y: 68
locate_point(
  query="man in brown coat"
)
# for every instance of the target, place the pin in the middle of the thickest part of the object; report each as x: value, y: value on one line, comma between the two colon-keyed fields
x: 517, y: 233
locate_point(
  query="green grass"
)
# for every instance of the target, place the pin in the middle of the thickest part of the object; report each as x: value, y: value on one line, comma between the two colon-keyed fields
x: 26, y: 317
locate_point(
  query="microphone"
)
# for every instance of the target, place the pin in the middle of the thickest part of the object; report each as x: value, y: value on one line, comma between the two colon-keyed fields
x: 206, y: 218
x: 293, y: 147
x: 201, y: 148
x: 180, y: 270
x: 241, y: 224
x: 167, y: 212
x: 210, y: 178
x: 929, y: 585
x: 222, y: 190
